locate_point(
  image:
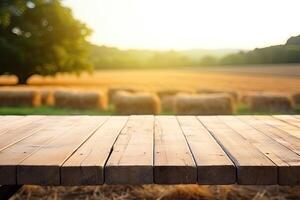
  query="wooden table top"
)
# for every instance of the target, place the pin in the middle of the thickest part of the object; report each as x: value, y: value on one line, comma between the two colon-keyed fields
x: 146, y: 149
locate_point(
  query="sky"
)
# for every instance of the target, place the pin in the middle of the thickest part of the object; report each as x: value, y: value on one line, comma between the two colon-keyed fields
x: 188, y: 24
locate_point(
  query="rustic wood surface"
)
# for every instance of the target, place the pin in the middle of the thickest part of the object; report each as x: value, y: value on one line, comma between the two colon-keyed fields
x: 145, y: 149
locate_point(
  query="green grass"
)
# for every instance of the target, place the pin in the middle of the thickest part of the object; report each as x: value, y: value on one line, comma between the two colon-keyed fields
x: 244, y: 110
x: 44, y: 110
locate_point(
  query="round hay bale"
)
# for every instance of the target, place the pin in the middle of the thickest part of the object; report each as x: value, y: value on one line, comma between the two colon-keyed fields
x: 79, y: 99
x: 268, y: 102
x: 20, y: 97
x: 296, y: 98
x: 111, y: 92
x: 127, y: 103
x: 233, y: 94
x: 167, y: 98
x: 206, y: 104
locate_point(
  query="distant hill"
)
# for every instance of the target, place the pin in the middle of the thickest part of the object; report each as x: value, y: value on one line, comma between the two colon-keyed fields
x: 286, y: 53
x: 197, y: 54
x: 104, y: 57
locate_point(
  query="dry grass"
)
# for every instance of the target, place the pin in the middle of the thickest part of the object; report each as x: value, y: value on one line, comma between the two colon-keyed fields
x: 127, y: 103
x: 208, y: 104
x: 156, y: 192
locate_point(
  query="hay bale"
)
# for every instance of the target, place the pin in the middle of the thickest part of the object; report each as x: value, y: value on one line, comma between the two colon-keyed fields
x: 127, y: 103
x: 167, y: 98
x: 113, y: 91
x: 20, y: 97
x: 47, y: 97
x: 296, y: 98
x: 233, y: 94
x: 270, y: 102
x: 206, y: 104
x: 79, y: 99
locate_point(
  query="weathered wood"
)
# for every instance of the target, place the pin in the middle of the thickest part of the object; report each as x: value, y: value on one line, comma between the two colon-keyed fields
x: 13, y: 122
x: 12, y: 133
x: 15, y: 154
x: 92, y: 150
x: 290, y: 119
x: 43, y: 166
x: 213, y: 164
x: 86, y: 165
x: 173, y: 161
x: 288, y: 128
x: 278, y: 135
x: 288, y: 162
x: 253, y: 167
x: 131, y: 161
x: 7, y: 191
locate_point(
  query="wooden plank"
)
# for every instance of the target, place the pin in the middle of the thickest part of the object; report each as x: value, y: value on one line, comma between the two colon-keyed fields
x: 15, y: 154
x: 288, y: 162
x: 213, y: 164
x: 43, y: 166
x: 8, y: 122
x: 278, y: 135
x: 86, y: 165
x: 173, y: 161
x: 253, y: 167
x: 131, y: 161
x: 15, y: 133
x: 289, y: 119
x: 290, y: 129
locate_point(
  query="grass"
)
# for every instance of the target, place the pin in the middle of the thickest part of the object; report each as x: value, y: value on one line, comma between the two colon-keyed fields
x: 46, y: 110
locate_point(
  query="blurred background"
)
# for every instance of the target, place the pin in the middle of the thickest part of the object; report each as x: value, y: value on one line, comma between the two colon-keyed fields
x: 122, y: 57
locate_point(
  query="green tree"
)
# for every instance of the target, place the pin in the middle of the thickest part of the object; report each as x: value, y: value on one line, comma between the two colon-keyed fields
x: 41, y: 38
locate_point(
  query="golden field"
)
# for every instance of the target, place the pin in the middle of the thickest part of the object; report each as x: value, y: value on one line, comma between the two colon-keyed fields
x: 185, y: 79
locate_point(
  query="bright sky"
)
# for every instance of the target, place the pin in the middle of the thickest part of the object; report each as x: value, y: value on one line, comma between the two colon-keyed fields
x: 189, y: 24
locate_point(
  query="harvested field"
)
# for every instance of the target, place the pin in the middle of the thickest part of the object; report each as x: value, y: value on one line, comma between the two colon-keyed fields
x: 155, y: 192
x: 185, y: 79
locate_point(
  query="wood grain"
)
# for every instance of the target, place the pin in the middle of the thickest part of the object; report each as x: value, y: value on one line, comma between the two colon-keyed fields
x: 131, y: 161
x: 284, y: 126
x: 15, y: 154
x: 288, y: 162
x: 253, y: 167
x: 290, y: 119
x: 213, y: 164
x: 43, y: 166
x: 173, y: 161
x: 86, y: 165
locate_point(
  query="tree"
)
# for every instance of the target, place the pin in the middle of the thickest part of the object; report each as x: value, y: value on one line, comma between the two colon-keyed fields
x: 41, y: 38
